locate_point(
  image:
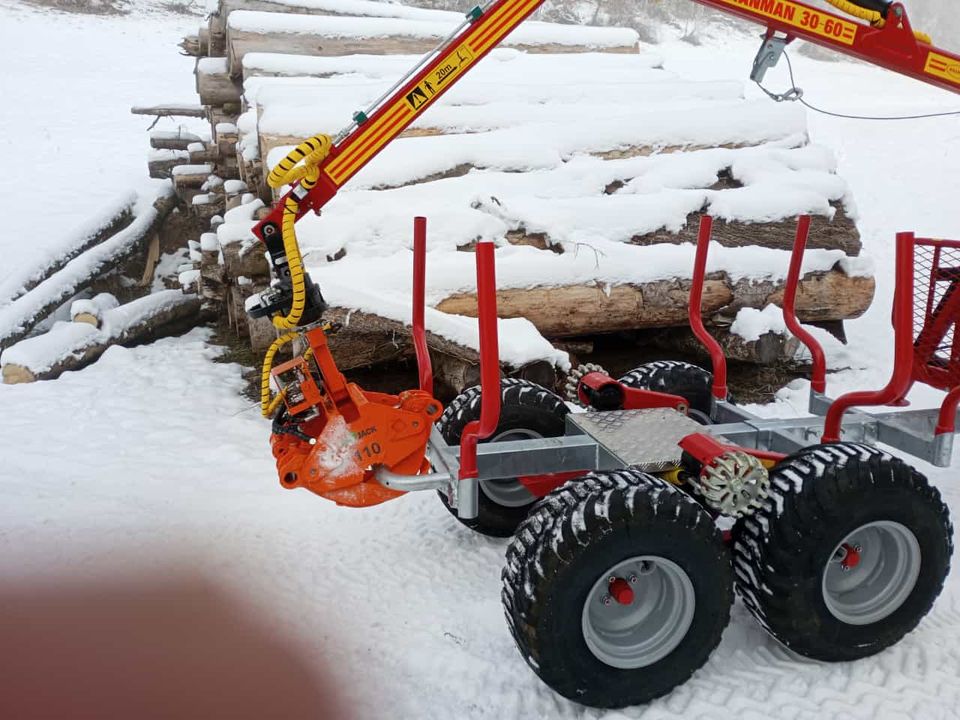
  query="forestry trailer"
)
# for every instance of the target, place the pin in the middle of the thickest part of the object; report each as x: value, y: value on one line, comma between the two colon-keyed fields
x: 633, y: 522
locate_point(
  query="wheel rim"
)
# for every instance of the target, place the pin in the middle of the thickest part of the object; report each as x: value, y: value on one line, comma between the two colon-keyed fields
x: 647, y: 629
x: 871, y: 572
x: 509, y: 492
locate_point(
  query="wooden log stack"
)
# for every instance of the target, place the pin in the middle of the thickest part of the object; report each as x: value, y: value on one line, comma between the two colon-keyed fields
x: 552, y: 156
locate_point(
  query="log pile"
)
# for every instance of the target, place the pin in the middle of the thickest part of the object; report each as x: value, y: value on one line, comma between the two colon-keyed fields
x: 74, y: 345
x: 620, y: 167
x: 120, y: 251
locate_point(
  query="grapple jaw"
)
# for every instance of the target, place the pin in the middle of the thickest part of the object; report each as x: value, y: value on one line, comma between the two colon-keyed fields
x: 334, y: 434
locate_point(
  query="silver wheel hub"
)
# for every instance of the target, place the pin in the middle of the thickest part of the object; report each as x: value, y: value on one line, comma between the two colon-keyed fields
x: 638, y: 612
x: 871, y: 573
x: 509, y: 492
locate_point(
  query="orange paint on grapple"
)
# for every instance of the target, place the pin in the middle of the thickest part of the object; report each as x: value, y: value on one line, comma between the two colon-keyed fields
x: 354, y: 431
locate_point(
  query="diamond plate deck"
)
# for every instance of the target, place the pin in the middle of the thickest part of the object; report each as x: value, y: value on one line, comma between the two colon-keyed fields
x: 645, y: 439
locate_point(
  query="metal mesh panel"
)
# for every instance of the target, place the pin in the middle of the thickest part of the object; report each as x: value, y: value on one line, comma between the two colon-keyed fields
x: 936, y: 282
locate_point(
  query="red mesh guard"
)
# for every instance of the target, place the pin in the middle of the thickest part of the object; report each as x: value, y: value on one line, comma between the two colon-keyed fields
x: 936, y: 312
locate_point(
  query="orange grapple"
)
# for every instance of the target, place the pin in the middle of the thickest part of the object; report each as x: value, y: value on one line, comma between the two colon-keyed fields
x: 349, y: 431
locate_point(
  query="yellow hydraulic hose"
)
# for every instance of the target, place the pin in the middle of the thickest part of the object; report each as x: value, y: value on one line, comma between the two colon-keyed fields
x: 268, y: 405
x: 302, y: 163
x: 873, y: 17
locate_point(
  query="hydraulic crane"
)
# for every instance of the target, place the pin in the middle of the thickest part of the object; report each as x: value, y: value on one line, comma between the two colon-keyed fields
x: 618, y: 583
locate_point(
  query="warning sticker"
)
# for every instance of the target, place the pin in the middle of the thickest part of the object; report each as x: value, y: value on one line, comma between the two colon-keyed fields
x: 944, y: 67
x: 451, y: 66
x: 390, y: 121
x: 800, y: 16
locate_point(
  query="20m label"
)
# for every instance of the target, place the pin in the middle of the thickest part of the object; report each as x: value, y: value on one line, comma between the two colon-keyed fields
x: 441, y: 76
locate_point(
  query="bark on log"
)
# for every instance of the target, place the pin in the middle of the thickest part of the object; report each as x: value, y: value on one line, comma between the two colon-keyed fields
x: 190, y: 176
x: 172, y: 140
x: 367, y: 340
x: 172, y: 110
x: 247, y: 261
x: 770, y: 348
x: 20, y: 316
x: 242, y: 41
x: 162, y: 169
x: 577, y: 310
x: 149, y: 326
x: 191, y: 46
x: 840, y: 233
x: 215, y: 86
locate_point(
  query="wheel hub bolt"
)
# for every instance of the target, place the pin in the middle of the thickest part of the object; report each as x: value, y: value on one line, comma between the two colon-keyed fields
x: 621, y: 591
x: 851, y: 556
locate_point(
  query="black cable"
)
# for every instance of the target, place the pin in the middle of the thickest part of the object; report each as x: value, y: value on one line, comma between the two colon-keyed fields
x: 796, y: 94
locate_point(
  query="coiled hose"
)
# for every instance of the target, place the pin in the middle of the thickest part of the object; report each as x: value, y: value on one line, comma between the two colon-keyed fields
x: 301, y: 164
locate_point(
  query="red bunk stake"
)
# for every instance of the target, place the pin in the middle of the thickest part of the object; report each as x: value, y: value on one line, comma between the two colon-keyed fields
x: 902, y: 378
x: 424, y: 368
x: 717, y: 358
x: 489, y: 363
x: 818, y: 379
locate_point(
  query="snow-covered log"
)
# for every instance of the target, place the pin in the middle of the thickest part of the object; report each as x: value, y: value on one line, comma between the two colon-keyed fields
x: 109, y: 221
x: 90, y: 311
x: 73, y: 345
x: 368, y: 340
x: 251, y: 31
x: 172, y: 139
x: 160, y: 163
x: 190, y: 176
x: 531, y: 33
x: 20, y: 316
x: 170, y: 110
x: 573, y: 310
x: 215, y: 86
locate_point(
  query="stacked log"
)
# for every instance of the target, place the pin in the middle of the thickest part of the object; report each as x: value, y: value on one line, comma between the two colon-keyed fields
x: 626, y: 145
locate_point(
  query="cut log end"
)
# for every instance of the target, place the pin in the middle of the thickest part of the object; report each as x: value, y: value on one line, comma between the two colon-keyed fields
x: 16, y: 374
x: 88, y: 318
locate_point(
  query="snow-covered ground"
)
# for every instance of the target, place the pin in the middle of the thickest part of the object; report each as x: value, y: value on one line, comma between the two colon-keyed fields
x: 151, y: 455
x: 67, y: 84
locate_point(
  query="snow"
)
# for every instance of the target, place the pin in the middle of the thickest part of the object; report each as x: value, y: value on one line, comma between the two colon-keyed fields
x: 374, y: 27
x: 202, y: 169
x: 95, y: 306
x: 208, y: 242
x: 93, y: 153
x: 30, y: 269
x: 212, y: 66
x: 751, y: 323
x: 232, y: 187
x: 151, y: 457
x: 548, y: 141
x: 168, y: 154
x: 395, y: 66
x: 319, y: 571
